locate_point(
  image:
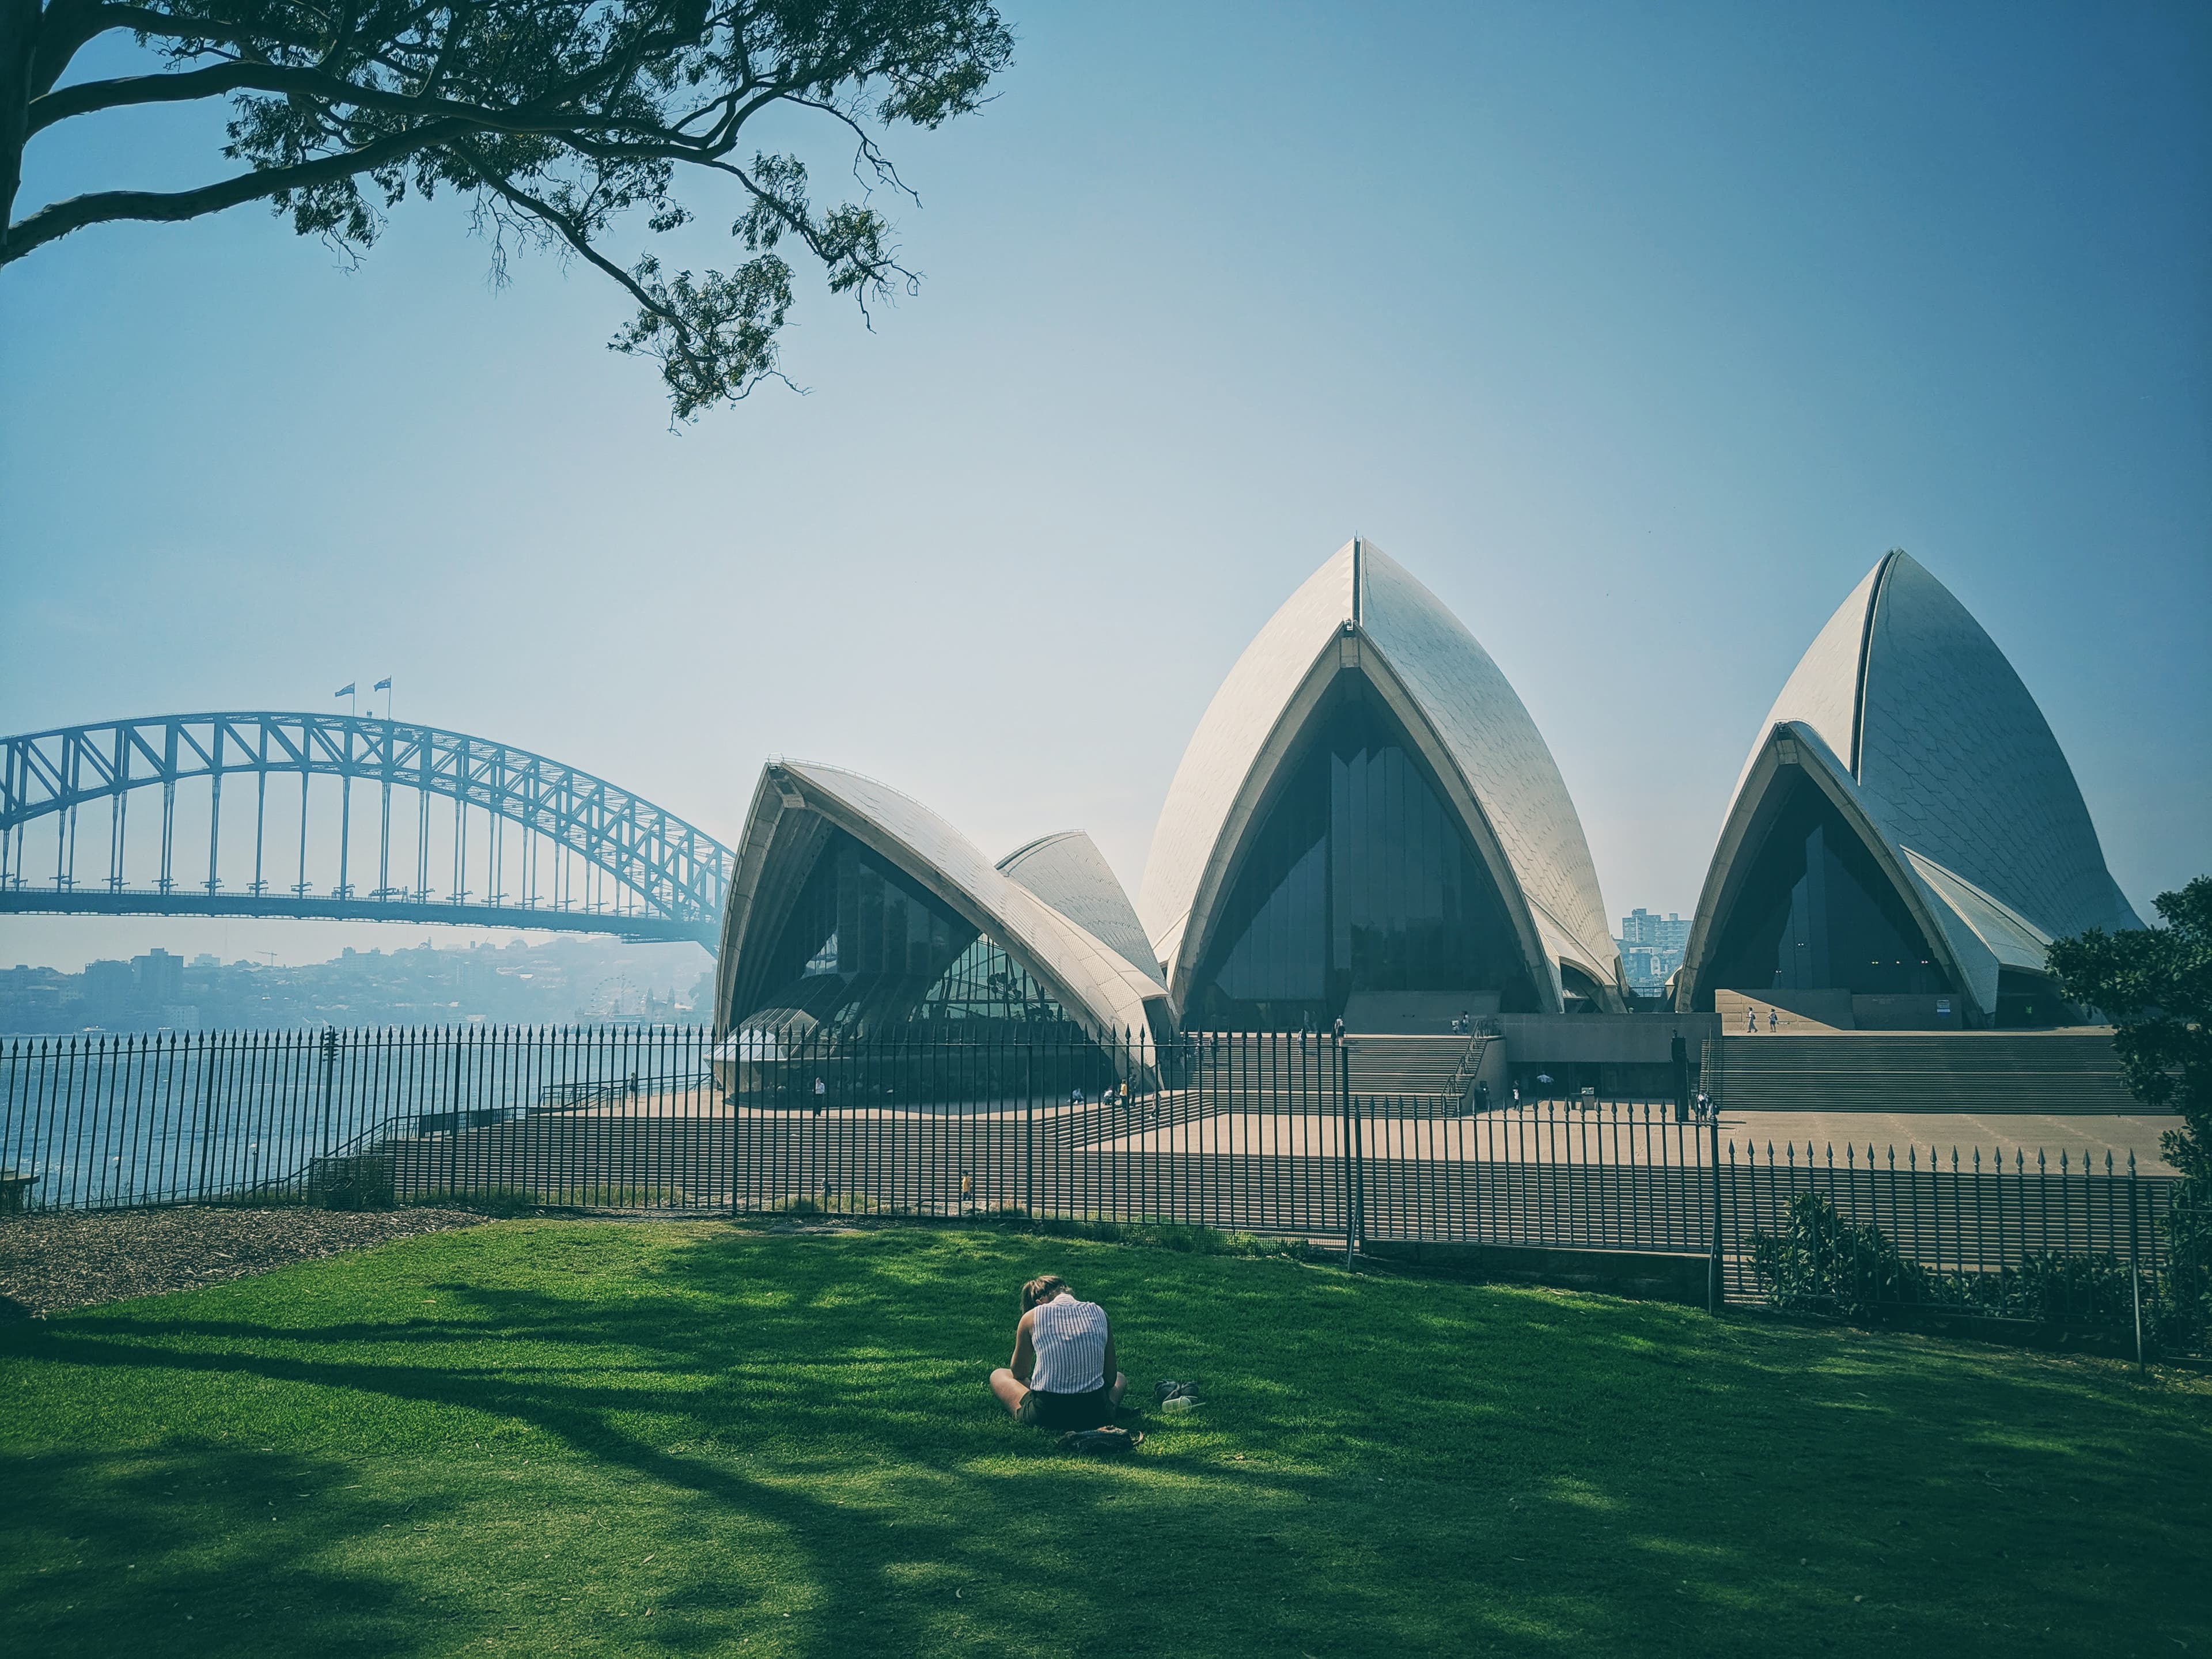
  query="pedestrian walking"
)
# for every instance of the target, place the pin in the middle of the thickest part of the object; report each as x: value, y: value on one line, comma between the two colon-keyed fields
x: 1750, y: 1020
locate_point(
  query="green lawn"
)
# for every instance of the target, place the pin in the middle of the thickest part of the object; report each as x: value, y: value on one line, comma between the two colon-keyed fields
x: 551, y: 1437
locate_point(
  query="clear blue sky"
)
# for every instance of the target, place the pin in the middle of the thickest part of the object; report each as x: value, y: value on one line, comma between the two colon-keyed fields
x: 1637, y: 333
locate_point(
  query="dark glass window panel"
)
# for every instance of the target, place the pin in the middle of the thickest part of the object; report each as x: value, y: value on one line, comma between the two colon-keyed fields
x: 2032, y: 1000
x: 1357, y: 879
x: 985, y: 983
x: 1816, y: 913
x: 867, y: 947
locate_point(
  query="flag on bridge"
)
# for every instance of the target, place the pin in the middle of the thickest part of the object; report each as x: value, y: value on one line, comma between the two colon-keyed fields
x: 345, y: 691
x: 381, y: 685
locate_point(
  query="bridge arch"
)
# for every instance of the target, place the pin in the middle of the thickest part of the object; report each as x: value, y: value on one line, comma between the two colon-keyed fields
x: 619, y: 863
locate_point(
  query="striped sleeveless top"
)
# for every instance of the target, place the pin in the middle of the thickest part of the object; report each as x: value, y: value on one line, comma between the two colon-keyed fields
x: 1070, y: 1338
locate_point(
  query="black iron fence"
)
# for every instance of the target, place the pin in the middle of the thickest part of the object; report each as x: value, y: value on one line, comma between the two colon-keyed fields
x: 1263, y: 1134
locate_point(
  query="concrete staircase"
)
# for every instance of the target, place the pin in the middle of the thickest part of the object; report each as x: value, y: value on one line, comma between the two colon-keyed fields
x: 2061, y: 1073
x: 1437, y: 1072
x: 1732, y: 1005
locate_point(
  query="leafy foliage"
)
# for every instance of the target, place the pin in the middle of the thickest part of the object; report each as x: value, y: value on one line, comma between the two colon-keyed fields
x: 1822, y: 1262
x: 1819, y: 1262
x: 556, y: 118
x: 2155, y: 985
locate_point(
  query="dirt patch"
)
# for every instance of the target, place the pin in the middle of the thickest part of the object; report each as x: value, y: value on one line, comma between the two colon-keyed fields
x: 51, y: 1263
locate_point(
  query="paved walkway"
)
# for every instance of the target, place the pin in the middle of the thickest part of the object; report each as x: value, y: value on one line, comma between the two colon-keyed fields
x: 2010, y: 1132
x: 1558, y: 1134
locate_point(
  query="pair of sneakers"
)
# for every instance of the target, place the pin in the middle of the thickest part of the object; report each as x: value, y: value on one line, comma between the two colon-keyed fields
x: 1167, y: 1388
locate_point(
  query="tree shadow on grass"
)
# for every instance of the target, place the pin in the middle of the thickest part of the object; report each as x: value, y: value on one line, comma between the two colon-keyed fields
x: 193, y: 1549
x: 1538, y: 1471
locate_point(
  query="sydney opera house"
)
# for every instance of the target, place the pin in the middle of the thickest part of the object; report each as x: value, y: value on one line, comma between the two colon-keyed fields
x: 1367, y: 825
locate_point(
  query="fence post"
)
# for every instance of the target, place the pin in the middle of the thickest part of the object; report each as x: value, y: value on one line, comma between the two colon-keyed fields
x: 1713, y: 1292
x: 2135, y: 1271
x: 329, y: 1052
x: 1344, y: 1104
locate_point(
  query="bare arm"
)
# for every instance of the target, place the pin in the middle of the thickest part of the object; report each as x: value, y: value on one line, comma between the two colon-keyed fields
x: 1025, y: 1360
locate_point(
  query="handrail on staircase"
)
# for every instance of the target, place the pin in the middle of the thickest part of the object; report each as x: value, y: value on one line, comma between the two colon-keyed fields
x: 1470, y: 1062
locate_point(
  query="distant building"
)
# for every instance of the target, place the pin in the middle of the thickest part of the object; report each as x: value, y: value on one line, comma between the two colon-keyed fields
x: 1651, y: 948
x: 158, y: 978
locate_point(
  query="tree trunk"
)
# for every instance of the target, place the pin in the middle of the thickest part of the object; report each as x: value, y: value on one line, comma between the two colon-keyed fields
x: 19, y: 38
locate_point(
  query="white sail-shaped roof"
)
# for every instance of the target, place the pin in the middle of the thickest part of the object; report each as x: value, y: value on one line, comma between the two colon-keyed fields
x: 1926, y: 735
x: 795, y: 803
x: 1069, y: 874
x: 1362, y: 610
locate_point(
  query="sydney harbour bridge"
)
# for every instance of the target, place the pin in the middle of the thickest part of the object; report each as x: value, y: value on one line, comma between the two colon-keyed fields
x: 341, y: 817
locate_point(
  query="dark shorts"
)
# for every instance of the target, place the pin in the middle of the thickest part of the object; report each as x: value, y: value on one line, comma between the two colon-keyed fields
x: 1066, y: 1410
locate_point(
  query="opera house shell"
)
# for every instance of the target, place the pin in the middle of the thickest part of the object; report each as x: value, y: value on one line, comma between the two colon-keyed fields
x: 1907, y: 838
x: 853, y: 909
x: 1368, y: 820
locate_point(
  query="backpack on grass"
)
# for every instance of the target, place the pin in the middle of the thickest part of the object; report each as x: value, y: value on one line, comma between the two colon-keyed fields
x: 1100, y: 1443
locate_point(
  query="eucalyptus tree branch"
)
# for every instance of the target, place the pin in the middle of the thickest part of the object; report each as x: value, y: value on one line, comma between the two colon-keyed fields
x: 172, y: 207
x: 559, y: 116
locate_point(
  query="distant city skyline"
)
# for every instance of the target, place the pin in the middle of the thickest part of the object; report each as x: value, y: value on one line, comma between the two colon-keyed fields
x: 1651, y: 947
x: 490, y: 982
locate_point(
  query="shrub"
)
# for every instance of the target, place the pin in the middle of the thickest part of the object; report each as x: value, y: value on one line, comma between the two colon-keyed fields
x: 2052, y: 1285
x: 1821, y: 1263
x: 360, y: 1183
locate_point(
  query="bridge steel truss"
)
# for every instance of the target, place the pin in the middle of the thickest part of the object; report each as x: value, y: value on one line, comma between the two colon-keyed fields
x: 647, y: 873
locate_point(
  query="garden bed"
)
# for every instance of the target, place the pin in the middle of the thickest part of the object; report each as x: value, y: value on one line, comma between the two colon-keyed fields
x: 51, y: 1263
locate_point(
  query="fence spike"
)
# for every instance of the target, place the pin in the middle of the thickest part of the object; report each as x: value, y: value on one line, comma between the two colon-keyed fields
x: 2131, y: 1160
x: 2040, y: 1167
x: 1978, y: 1160
x: 2108, y: 1162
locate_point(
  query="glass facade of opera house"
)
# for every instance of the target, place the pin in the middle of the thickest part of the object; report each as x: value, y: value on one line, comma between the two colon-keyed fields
x: 867, y: 947
x: 1358, y: 880
x: 1815, y: 913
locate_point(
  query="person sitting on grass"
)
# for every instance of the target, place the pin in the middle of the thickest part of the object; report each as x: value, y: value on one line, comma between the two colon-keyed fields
x: 1063, y: 1361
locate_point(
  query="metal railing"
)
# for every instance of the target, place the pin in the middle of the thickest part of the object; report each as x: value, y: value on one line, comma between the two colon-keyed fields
x: 1251, y: 1132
